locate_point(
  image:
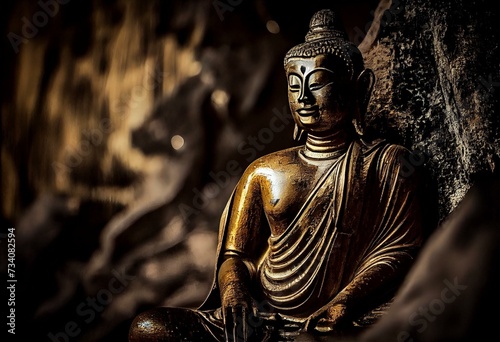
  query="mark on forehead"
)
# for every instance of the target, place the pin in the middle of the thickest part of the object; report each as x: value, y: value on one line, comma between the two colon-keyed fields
x: 303, y: 69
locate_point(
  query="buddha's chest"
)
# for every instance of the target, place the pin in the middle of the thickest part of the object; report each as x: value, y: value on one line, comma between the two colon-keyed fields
x: 286, y: 192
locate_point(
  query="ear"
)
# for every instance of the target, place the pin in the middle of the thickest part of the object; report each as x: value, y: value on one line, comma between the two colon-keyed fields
x: 364, y: 87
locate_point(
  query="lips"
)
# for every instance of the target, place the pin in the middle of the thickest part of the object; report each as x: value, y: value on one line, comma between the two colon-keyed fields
x: 308, y: 111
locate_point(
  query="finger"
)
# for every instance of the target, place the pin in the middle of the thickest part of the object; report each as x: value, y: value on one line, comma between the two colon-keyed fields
x: 254, y: 321
x: 228, y: 323
x: 306, y: 325
x: 323, y: 326
x: 311, y: 324
x: 244, y: 320
x: 240, y: 318
x: 235, y: 324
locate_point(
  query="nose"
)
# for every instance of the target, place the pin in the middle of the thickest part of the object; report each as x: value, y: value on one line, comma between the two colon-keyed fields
x: 305, y: 95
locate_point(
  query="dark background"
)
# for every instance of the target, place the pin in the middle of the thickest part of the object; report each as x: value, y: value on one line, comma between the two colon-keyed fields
x: 111, y: 219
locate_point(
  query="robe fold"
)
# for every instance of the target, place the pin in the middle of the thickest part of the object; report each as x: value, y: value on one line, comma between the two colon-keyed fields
x: 362, y: 213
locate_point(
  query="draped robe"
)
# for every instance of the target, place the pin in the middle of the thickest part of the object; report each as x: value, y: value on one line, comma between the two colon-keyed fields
x: 362, y: 213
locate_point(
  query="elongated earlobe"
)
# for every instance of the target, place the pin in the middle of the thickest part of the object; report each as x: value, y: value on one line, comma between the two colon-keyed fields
x: 358, y: 124
x: 364, y: 87
x: 365, y: 83
x: 297, y: 133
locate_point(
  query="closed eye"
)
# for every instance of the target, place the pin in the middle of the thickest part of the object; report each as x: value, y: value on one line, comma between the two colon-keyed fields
x: 294, y: 83
x: 317, y: 86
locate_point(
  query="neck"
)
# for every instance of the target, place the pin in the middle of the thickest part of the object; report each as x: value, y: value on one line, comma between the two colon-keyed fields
x: 326, y: 147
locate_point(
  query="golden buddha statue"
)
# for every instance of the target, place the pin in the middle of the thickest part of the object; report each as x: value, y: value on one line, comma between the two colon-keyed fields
x: 315, y: 238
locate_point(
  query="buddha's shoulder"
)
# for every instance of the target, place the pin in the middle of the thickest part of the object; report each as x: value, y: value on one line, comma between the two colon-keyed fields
x: 275, y: 161
x: 285, y: 154
x: 384, y: 150
x: 392, y: 158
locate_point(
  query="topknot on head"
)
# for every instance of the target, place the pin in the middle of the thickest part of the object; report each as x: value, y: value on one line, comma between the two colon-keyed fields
x: 327, y: 36
x: 325, y: 24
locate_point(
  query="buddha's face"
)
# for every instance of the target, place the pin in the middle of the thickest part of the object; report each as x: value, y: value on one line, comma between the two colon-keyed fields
x: 318, y: 94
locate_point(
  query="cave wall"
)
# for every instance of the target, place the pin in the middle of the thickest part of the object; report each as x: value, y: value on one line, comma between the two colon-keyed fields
x: 437, y: 69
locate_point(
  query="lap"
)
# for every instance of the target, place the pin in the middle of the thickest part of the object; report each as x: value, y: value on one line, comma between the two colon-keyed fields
x: 173, y: 324
x: 165, y: 324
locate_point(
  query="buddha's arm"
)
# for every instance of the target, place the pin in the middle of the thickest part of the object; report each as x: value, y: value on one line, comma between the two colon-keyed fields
x: 244, y: 236
x: 363, y: 290
x: 241, y: 246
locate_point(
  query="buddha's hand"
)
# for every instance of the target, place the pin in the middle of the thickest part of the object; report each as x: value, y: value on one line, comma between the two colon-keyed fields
x: 334, y: 316
x: 236, y: 321
x: 237, y: 304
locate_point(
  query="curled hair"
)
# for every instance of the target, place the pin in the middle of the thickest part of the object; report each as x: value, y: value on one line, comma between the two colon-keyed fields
x: 327, y: 37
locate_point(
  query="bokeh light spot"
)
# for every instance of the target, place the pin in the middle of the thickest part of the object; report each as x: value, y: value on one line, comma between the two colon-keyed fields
x: 272, y: 26
x: 177, y: 142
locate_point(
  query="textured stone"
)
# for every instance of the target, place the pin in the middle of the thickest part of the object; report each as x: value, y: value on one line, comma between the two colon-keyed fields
x: 437, y: 75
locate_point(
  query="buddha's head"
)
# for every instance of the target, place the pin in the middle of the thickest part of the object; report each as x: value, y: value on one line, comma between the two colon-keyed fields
x: 328, y: 85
